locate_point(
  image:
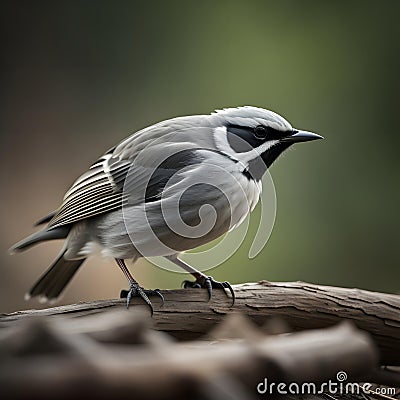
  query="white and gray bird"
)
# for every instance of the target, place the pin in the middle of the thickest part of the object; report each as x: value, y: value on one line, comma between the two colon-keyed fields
x: 147, y: 195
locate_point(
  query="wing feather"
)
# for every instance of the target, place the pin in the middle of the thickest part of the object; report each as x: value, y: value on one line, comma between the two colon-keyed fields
x: 97, y: 191
x: 101, y: 188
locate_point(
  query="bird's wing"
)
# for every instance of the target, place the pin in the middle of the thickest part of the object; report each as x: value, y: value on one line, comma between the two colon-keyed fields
x: 136, y: 176
x: 96, y: 191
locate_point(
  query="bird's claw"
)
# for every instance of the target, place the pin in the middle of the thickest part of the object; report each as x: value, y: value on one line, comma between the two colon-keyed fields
x: 209, y: 283
x: 137, y: 291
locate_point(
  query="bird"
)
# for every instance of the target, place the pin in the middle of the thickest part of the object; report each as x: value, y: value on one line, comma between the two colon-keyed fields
x: 165, y: 189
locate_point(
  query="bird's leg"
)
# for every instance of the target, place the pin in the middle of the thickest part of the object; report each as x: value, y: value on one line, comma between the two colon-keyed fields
x: 202, y: 280
x: 135, y: 288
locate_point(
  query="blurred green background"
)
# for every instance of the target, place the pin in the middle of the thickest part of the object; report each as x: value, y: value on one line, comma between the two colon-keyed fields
x: 79, y: 76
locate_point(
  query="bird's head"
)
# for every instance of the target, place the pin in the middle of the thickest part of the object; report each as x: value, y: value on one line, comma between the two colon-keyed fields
x: 255, y: 137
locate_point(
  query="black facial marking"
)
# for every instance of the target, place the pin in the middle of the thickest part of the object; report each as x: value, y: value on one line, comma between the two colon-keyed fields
x: 274, y: 152
x: 259, y: 165
x: 242, y: 138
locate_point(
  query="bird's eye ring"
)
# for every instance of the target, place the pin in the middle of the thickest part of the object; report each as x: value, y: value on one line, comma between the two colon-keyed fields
x: 260, y: 132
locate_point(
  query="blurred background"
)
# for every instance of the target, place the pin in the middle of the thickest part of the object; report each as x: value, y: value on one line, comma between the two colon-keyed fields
x: 79, y: 76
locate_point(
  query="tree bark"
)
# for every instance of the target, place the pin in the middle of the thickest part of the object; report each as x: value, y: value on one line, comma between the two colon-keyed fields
x: 186, y: 314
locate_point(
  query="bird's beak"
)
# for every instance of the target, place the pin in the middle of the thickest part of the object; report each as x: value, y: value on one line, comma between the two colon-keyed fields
x: 301, y: 136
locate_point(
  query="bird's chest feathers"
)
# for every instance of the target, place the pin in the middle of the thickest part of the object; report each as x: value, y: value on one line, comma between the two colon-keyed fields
x: 245, y: 198
x: 219, y: 183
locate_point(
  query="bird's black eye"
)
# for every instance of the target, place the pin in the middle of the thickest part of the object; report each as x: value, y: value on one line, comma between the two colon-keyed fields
x: 260, y: 132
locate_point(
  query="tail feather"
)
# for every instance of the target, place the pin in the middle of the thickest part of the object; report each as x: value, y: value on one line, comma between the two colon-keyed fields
x: 45, y: 219
x: 55, y: 279
x: 37, y: 237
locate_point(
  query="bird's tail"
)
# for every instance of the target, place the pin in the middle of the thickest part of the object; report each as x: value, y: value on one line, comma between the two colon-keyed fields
x: 55, y: 279
x: 41, y: 236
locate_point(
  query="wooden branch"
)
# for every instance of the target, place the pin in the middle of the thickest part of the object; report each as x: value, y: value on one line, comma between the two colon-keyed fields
x: 186, y: 313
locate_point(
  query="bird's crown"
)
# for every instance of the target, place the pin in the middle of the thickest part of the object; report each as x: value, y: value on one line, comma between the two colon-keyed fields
x: 250, y: 116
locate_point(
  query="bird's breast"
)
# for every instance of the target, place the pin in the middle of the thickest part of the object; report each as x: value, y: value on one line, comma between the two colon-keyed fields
x: 195, y: 207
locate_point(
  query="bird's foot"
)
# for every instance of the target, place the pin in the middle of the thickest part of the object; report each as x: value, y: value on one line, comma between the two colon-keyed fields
x: 137, y: 291
x: 209, y: 283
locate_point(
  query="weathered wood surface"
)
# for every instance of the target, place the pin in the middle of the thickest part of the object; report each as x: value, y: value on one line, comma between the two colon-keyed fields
x: 186, y: 314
